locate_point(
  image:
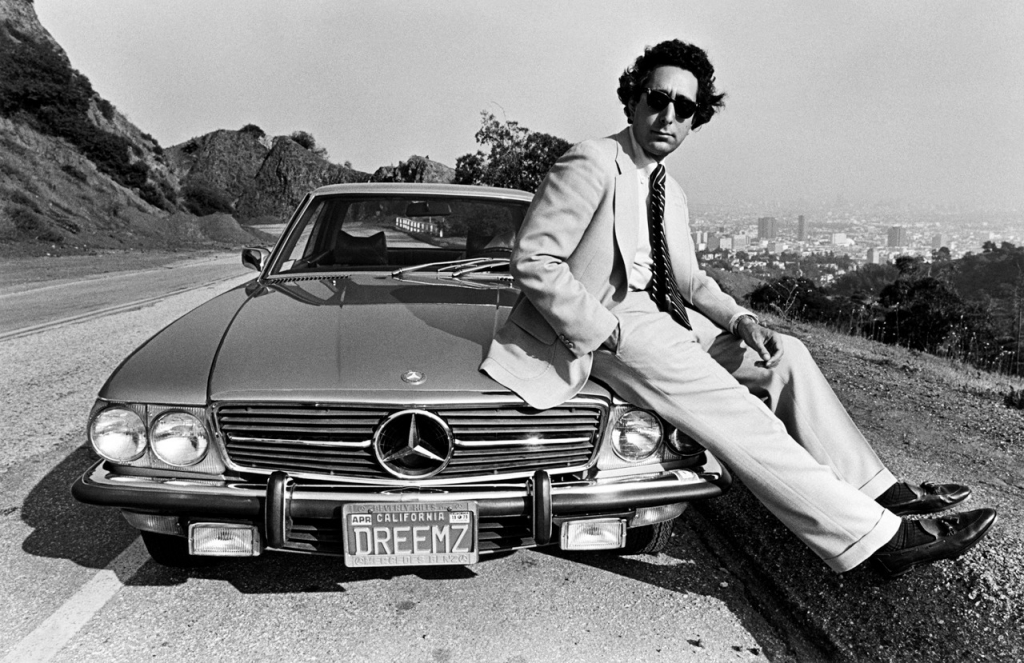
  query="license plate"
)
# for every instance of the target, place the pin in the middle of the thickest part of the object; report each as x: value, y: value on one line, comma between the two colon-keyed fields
x: 408, y: 534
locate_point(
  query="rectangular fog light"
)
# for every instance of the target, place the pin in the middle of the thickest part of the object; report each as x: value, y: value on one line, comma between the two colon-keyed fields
x: 601, y: 534
x: 223, y: 540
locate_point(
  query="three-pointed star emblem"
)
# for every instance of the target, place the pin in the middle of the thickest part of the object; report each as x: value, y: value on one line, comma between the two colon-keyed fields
x: 414, y: 446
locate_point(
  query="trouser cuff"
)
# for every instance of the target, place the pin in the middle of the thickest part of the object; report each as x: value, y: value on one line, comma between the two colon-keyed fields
x: 878, y: 484
x: 883, y: 531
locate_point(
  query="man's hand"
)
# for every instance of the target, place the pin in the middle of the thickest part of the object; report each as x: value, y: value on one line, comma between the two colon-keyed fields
x: 761, y: 340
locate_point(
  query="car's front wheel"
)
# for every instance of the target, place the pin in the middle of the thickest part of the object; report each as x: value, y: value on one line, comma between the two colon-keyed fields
x: 649, y: 539
x: 170, y: 550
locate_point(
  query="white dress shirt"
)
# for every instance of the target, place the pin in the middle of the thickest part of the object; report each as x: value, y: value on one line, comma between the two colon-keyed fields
x: 643, y: 264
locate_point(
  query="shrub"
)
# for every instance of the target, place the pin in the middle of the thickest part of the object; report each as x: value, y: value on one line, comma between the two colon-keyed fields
x: 796, y: 297
x: 21, y: 198
x: 75, y: 172
x: 255, y: 131
x: 306, y: 140
x: 203, y: 198
x: 106, y: 108
x: 33, y: 225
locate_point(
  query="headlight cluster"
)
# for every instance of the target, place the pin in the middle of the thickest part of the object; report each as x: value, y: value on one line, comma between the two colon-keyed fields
x: 636, y: 436
x: 177, y: 438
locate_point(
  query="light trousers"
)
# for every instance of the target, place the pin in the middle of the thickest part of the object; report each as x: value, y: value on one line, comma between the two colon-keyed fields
x: 783, y: 431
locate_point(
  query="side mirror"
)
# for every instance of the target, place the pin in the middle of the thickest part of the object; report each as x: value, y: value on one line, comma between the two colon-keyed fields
x: 254, y: 258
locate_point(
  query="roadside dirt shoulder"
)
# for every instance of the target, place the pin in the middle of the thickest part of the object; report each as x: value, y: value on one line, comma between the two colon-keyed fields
x: 927, y: 420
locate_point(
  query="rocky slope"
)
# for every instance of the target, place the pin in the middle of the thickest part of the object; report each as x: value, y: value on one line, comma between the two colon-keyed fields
x: 76, y: 175
x: 261, y: 176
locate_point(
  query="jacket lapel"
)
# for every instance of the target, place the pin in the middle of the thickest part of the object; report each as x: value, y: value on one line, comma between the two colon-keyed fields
x: 627, y: 200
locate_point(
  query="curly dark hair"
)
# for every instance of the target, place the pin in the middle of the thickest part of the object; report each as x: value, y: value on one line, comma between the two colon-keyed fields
x: 673, y: 53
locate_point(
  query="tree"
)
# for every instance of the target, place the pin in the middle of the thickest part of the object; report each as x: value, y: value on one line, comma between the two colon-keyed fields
x: 516, y: 157
x: 908, y: 266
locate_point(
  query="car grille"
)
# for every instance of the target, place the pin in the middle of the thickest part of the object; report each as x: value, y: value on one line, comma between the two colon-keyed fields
x: 336, y: 441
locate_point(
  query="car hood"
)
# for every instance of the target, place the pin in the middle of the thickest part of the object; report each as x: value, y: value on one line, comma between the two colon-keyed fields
x: 317, y: 338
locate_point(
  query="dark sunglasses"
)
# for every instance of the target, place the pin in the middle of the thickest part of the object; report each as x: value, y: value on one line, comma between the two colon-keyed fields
x: 658, y: 100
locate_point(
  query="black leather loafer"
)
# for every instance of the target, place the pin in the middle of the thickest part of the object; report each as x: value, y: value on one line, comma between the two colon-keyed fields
x: 953, y: 536
x: 930, y: 497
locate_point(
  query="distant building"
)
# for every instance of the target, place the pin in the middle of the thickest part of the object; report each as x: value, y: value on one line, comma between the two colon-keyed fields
x: 838, y: 239
x: 740, y: 241
x: 937, y: 241
x: 801, y: 229
x: 776, y: 247
x: 874, y: 256
x: 767, y: 227
x: 897, y: 236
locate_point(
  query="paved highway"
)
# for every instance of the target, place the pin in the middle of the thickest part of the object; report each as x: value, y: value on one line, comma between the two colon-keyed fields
x: 78, y: 585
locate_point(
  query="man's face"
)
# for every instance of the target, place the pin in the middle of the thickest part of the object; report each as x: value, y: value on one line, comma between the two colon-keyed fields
x: 659, y: 133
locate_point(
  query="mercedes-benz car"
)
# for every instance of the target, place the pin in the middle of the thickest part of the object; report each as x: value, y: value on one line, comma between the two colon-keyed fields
x: 333, y: 405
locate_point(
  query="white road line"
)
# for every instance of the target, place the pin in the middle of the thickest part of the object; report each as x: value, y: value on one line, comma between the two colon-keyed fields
x: 55, y: 631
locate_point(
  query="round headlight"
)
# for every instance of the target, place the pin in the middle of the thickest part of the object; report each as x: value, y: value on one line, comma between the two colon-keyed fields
x: 682, y: 444
x: 636, y: 435
x: 118, y: 434
x: 179, y: 439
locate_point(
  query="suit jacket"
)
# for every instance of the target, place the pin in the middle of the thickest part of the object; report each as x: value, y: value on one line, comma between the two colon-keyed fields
x: 572, y: 260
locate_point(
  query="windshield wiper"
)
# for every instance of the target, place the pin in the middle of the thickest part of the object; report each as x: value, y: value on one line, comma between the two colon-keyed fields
x: 442, y: 264
x: 457, y: 268
x: 487, y: 264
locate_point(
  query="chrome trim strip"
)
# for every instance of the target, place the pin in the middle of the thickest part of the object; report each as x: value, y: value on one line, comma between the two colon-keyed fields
x: 365, y: 444
x: 520, y: 443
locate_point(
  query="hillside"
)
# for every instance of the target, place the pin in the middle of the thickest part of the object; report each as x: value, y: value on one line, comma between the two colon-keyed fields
x: 929, y: 419
x: 76, y: 176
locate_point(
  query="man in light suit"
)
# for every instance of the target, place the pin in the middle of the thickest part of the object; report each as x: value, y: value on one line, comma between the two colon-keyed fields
x: 601, y: 284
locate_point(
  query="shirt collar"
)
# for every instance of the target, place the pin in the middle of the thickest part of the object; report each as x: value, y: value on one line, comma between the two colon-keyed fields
x: 640, y: 158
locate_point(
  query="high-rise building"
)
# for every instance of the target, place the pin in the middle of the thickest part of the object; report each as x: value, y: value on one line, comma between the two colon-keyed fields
x: 767, y: 227
x: 838, y: 239
x: 874, y: 256
x: 801, y: 228
x: 897, y: 236
x: 937, y: 241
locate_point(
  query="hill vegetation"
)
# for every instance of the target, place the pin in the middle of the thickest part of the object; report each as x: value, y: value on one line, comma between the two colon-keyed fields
x: 970, y: 309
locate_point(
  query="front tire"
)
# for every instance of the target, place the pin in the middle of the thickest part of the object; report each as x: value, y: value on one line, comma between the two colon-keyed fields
x: 172, y: 551
x: 648, y: 539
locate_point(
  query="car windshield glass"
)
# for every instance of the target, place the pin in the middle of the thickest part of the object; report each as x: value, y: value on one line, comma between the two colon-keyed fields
x: 388, y: 232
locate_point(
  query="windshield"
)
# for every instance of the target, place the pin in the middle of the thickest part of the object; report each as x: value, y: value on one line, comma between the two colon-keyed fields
x: 386, y: 232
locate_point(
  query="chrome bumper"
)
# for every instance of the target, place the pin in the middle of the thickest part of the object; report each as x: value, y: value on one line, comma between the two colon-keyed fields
x: 281, y: 498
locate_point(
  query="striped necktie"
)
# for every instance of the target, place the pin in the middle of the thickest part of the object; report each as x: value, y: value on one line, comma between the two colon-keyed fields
x: 663, y: 282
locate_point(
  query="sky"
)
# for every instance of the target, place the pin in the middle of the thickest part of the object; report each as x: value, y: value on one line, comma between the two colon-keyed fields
x: 869, y: 101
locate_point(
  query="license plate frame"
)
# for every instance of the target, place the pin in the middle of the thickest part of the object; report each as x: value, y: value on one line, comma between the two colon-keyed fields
x: 369, y: 529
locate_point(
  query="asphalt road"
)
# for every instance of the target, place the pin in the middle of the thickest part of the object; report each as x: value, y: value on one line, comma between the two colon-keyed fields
x: 78, y: 585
